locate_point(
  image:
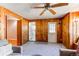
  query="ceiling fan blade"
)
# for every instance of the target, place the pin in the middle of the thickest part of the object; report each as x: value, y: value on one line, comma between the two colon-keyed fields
x: 38, y: 7
x: 47, y: 4
x: 52, y: 11
x: 42, y: 12
x: 59, y: 5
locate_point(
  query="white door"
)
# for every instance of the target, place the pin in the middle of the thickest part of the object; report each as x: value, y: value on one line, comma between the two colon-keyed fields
x: 52, y: 32
x: 32, y: 29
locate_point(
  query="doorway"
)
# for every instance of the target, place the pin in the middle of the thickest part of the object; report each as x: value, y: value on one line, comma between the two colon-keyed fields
x: 32, y: 31
x: 52, y: 32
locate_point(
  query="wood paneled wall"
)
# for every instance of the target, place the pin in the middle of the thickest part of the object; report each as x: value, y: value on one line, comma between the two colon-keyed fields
x: 3, y: 21
x: 65, y: 30
x: 17, y: 33
x: 74, y: 19
x: 18, y: 36
x: 42, y: 29
x: 68, y: 29
x: 25, y: 31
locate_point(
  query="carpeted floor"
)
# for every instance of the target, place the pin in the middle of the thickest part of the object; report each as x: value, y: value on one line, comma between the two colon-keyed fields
x: 39, y: 49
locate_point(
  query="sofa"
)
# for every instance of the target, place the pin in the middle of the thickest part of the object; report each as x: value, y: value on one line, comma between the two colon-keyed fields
x: 5, y: 48
x: 67, y: 52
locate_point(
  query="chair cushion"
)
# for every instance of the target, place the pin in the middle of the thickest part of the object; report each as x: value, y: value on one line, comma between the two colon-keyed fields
x: 3, y: 42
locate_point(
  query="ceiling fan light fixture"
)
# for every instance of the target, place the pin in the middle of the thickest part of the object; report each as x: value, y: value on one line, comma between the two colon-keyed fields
x: 48, y: 7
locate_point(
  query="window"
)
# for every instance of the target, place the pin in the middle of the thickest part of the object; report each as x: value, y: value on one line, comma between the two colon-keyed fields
x: 52, y: 27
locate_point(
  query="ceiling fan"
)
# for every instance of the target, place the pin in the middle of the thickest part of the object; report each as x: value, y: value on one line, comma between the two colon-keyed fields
x: 48, y: 7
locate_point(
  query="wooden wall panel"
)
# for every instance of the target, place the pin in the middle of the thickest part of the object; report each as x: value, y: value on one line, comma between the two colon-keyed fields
x: 74, y: 19
x: 22, y: 31
x: 19, y: 32
x: 38, y: 30
x: 3, y: 21
x: 25, y: 31
x: 13, y: 42
x: 19, y: 37
x: 68, y: 30
x: 42, y: 29
x: 59, y: 31
x: 65, y: 30
x: 45, y: 30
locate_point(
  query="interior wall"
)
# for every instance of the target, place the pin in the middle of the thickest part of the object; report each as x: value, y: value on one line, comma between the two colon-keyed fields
x: 3, y: 26
x: 17, y: 32
x: 70, y: 29
x: 65, y: 30
x: 42, y: 29
x: 25, y: 31
x: 12, y: 31
x: 74, y: 27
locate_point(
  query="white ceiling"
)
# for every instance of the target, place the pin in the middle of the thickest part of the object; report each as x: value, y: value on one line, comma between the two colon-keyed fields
x: 25, y: 10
